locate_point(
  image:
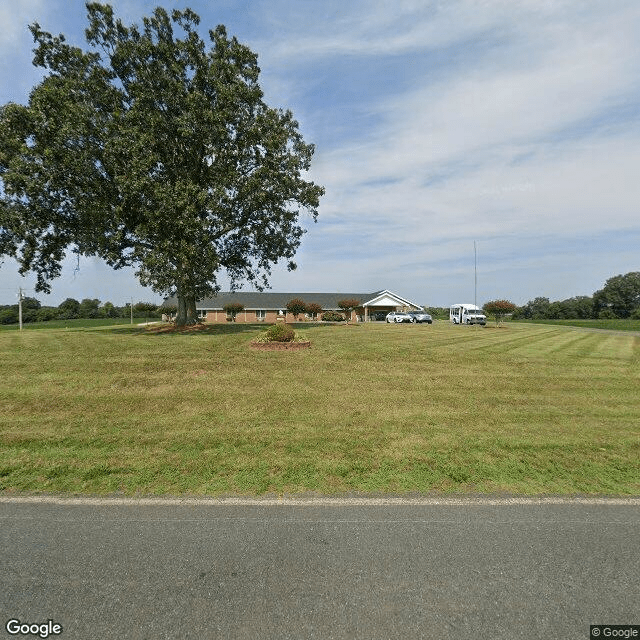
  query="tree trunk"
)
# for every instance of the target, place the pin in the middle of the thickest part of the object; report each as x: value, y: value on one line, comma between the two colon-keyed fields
x: 187, y: 314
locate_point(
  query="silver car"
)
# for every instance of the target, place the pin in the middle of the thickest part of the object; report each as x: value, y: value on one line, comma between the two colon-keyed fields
x: 398, y: 316
x: 420, y: 316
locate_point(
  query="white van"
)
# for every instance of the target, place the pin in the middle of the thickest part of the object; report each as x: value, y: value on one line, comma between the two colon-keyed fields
x: 466, y: 314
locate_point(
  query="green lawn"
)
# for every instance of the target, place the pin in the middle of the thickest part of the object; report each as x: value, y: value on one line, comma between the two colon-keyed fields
x: 77, y: 323
x: 615, y: 325
x: 529, y: 409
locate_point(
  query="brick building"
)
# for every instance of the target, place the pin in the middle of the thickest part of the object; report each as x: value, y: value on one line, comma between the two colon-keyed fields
x: 270, y: 307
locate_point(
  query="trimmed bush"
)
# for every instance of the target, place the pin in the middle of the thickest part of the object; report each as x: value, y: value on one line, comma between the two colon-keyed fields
x: 296, y: 307
x: 313, y: 309
x: 280, y: 333
x: 332, y: 316
x: 232, y: 309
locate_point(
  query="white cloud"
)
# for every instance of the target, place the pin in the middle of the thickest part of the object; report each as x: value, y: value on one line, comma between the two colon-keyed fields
x: 14, y: 18
x: 514, y: 123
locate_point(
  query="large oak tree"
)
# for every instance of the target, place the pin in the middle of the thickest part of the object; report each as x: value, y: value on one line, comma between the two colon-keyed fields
x: 156, y: 150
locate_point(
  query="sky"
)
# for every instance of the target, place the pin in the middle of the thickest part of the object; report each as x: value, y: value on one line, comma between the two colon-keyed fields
x: 471, y: 150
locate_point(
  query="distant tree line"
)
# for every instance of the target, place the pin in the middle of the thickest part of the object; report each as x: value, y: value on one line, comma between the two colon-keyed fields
x: 33, y: 311
x: 619, y: 298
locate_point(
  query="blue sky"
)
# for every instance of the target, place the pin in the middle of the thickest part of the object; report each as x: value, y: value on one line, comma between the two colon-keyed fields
x: 512, y: 124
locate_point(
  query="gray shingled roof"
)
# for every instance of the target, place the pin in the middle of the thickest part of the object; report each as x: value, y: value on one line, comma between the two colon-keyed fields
x: 273, y: 301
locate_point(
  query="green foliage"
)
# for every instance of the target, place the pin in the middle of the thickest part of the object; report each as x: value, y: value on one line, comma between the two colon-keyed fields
x: 332, y: 316
x: 89, y: 308
x: 232, y: 309
x: 348, y: 305
x: 45, y: 314
x: 9, y: 315
x: 535, y: 309
x: 635, y: 314
x: 313, y: 309
x: 68, y: 309
x: 620, y: 294
x: 146, y: 310
x: 168, y: 309
x: 607, y: 314
x: 296, y: 307
x: 439, y: 313
x: 154, y: 149
x: 30, y: 304
x: 499, y: 308
x: 280, y: 332
x: 109, y: 310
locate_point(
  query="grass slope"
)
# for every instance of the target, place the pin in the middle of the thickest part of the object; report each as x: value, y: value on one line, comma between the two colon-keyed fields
x: 379, y: 408
x: 613, y: 324
x: 76, y: 323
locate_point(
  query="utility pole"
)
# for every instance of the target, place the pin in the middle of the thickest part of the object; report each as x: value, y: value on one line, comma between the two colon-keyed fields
x: 131, y: 310
x: 20, y: 308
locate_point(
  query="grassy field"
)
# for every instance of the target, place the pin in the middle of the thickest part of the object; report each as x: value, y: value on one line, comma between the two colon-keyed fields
x: 614, y: 325
x: 528, y: 409
x: 77, y: 323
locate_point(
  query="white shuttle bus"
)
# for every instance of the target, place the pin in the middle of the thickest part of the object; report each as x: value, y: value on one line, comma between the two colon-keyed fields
x: 467, y: 314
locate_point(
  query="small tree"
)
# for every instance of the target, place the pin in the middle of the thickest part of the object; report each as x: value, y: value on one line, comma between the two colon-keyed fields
x: 89, y: 308
x: 232, y: 309
x: 69, y: 309
x: 145, y: 310
x: 314, y: 309
x: 499, y: 308
x: 296, y: 307
x: 348, y: 306
x: 44, y: 314
x: 111, y: 311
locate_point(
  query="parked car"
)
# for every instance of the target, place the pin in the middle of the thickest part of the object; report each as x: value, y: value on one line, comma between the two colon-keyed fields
x: 398, y: 316
x: 420, y: 316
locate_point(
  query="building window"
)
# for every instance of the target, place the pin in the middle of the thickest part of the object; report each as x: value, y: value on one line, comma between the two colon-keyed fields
x: 202, y: 313
x: 261, y: 315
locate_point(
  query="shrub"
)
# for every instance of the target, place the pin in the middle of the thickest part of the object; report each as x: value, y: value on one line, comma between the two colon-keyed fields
x: 146, y: 310
x: 332, y: 316
x: 607, y: 314
x: 9, y: 316
x: 499, y: 308
x: 348, y: 306
x: 635, y: 314
x: 69, y: 309
x: 232, y: 309
x: 296, y: 307
x: 313, y: 309
x: 44, y: 314
x: 280, y: 333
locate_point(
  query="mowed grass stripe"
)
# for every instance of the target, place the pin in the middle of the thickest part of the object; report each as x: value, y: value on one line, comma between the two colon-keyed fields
x: 525, y: 409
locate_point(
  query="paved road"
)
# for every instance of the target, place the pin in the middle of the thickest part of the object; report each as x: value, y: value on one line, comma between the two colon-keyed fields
x: 444, y: 571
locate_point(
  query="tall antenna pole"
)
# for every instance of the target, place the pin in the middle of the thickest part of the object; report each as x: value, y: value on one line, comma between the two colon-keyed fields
x: 475, y: 275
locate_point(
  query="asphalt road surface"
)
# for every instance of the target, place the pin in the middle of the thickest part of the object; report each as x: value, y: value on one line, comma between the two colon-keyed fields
x: 473, y: 569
